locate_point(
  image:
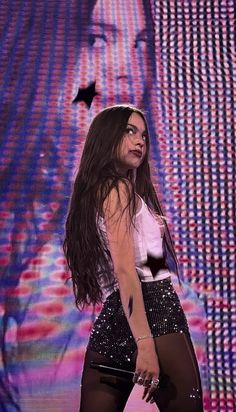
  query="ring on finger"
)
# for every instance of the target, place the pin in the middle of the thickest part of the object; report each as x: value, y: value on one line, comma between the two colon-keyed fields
x: 140, y: 380
x: 147, y: 383
x: 155, y: 382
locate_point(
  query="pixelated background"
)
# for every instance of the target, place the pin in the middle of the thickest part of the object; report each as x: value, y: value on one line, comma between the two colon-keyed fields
x: 61, y: 62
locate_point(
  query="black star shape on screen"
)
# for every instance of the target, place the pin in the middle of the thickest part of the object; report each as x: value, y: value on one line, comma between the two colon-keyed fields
x: 155, y: 264
x: 86, y: 95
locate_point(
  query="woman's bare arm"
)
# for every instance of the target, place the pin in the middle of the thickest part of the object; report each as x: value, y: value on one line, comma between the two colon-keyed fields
x: 120, y: 237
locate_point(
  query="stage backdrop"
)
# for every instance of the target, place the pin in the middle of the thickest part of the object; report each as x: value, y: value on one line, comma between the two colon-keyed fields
x: 61, y: 62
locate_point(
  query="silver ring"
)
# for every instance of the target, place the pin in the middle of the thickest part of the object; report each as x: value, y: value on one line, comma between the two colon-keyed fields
x: 155, y: 382
x: 140, y: 380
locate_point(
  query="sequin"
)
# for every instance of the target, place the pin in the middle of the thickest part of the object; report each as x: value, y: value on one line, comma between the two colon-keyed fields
x: 195, y: 394
x: 111, y: 335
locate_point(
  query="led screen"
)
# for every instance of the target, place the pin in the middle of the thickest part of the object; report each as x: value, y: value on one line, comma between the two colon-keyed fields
x: 61, y: 62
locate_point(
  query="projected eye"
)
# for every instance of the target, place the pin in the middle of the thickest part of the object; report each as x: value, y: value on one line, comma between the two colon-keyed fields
x: 97, y: 40
x: 141, y: 42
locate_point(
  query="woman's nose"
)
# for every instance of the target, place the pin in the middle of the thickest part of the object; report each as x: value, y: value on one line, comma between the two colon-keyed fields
x: 125, y: 53
x: 140, y: 141
x: 122, y: 70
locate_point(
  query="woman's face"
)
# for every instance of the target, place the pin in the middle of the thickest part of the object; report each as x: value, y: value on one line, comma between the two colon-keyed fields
x: 116, y: 53
x: 133, y: 146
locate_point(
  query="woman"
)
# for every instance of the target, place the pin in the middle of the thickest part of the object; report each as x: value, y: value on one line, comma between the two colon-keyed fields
x: 118, y: 247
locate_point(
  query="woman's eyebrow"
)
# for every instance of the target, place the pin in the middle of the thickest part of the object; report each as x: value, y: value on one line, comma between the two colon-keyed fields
x: 145, y: 34
x: 136, y: 128
x: 142, y: 32
x: 105, y: 26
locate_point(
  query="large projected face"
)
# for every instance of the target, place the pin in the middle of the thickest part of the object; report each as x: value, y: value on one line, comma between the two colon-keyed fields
x: 115, y: 52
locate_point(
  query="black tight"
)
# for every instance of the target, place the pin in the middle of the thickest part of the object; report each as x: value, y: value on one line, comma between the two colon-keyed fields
x: 99, y: 395
x: 180, y: 386
x: 179, y: 389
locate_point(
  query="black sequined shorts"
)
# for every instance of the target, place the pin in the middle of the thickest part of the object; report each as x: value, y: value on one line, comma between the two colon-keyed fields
x: 111, y: 335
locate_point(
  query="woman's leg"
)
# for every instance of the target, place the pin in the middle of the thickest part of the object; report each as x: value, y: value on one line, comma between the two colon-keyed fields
x: 102, y: 392
x: 180, y: 386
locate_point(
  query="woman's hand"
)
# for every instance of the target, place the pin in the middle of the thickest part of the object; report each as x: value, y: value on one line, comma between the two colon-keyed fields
x: 147, y: 368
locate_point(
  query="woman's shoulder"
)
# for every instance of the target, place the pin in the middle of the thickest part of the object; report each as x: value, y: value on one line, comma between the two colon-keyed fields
x: 120, y: 188
x: 120, y: 198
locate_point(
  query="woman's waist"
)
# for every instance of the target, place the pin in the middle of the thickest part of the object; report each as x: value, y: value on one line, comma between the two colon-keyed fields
x: 145, y: 275
x: 147, y: 287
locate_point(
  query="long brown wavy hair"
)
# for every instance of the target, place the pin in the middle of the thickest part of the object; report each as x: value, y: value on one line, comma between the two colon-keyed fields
x: 84, y: 246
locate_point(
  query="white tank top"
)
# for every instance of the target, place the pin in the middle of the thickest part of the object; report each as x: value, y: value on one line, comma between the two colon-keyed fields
x: 148, y: 240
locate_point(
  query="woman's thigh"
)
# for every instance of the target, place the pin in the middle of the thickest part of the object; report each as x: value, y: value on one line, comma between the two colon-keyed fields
x: 180, y: 385
x: 102, y: 392
x: 179, y: 388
